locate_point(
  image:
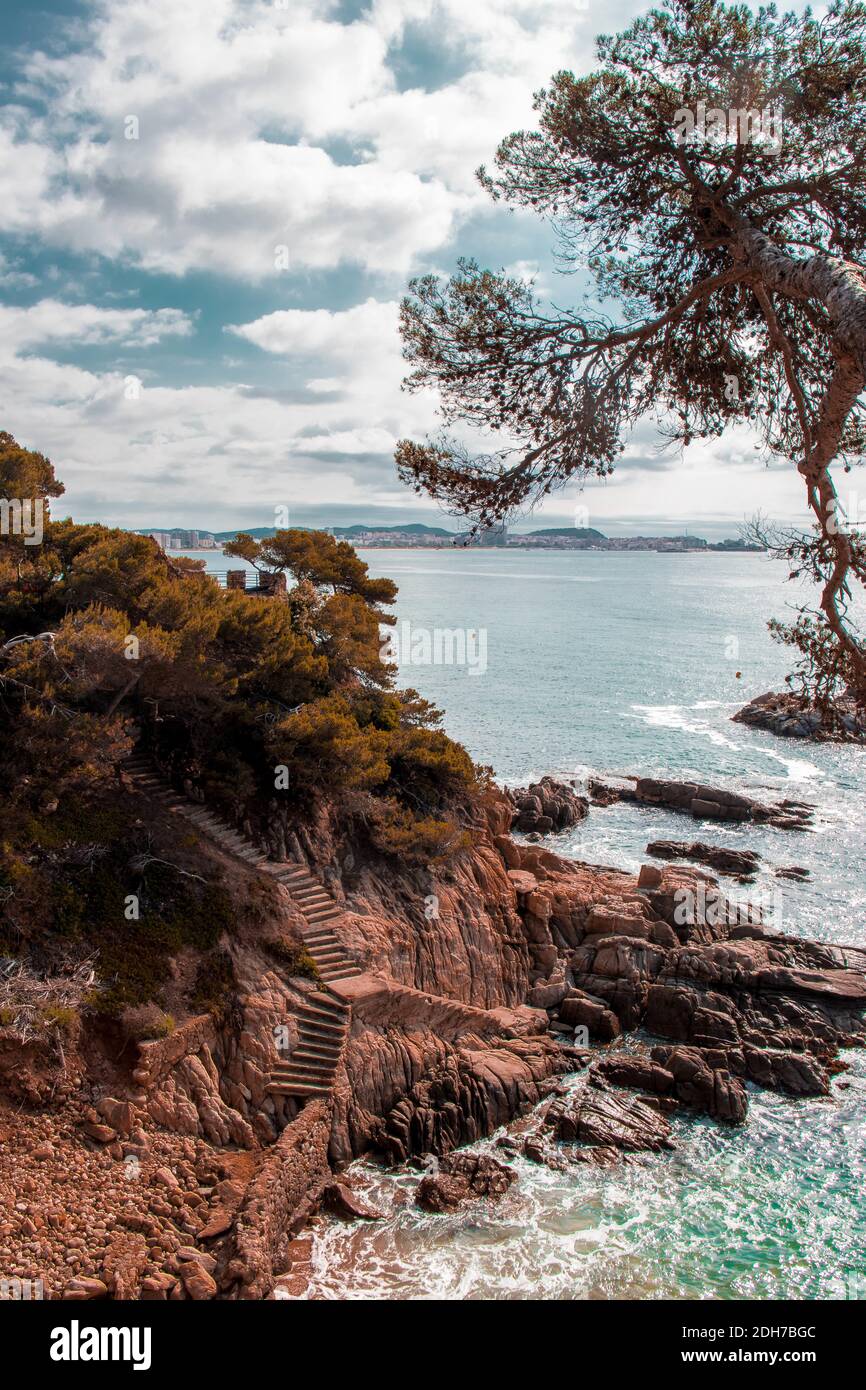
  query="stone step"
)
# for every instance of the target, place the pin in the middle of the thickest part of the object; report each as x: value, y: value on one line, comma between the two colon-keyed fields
x: 297, y: 1088
x: 330, y: 1013
x: 316, y: 1052
x: 334, y: 1026
x: 320, y: 1042
x: 321, y: 1033
x: 319, y: 1076
x: 321, y: 1025
x: 295, y: 1071
x: 320, y: 999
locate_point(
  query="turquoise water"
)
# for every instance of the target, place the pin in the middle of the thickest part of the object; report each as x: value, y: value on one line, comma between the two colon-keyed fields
x: 614, y: 664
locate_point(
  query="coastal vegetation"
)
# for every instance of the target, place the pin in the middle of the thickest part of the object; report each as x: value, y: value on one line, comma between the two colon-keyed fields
x: 261, y: 705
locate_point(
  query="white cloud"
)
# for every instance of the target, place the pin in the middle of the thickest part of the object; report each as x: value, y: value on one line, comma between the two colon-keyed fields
x: 238, y: 108
x: 218, y: 454
x: 85, y: 324
x: 259, y: 127
x: 345, y: 334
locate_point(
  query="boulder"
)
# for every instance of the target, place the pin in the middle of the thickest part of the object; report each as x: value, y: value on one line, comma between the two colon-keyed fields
x: 791, y: 716
x: 197, y: 1282
x: 712, y: 1091
x: 546, y: 806
x: 461, y: 1178
x: 341, y: 1200
x: 580, y: 1010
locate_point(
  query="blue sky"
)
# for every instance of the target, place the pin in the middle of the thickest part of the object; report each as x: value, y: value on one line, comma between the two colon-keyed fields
x: 198, y: 324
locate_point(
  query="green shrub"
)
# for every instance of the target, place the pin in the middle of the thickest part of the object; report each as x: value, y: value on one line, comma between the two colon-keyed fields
x: 294, y: 958
x: 395, y: 830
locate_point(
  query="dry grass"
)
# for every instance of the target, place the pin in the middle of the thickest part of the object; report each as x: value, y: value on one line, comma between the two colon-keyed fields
x: 33, y: 1005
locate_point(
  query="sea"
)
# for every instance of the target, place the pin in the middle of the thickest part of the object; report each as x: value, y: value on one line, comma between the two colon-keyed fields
x: 582, y: 664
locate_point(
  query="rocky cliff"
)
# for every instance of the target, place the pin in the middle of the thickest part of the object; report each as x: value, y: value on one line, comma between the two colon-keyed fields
x: 193, y: 1173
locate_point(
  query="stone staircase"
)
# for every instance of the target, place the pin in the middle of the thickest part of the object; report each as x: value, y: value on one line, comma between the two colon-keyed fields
x: 322, y: 913
x: 324, y: 1020
x: 323, y: 1026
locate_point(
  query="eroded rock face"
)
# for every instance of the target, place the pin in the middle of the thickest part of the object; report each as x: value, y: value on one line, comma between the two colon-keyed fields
x: 461, y: 1178
x: 473, y: 1090
x: 756, y: 1006
x: 443, y: 1054
x: 606, y: 1118
x: 546, y: 807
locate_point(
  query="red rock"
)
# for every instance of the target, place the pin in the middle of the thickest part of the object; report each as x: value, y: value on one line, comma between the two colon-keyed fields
x: 166, y: 1178
x: 197, y: 1283
x: 463, y: 1177
x: 103, y: 1134
x: 609, y: 1119
x: 157, y: 1287
x: 219, y: 1221
x: 339, y: 1198
x: 84, y: 1287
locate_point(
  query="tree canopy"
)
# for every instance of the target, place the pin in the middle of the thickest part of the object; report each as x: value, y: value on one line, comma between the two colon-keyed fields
x: 709, y: 176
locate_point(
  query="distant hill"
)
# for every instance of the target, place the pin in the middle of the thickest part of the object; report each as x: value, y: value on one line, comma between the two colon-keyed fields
x: 578, y: 533
x: 414, y: 528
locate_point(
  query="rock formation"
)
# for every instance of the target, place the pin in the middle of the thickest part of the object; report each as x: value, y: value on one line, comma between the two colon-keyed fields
x: 546, y: 807
x: 461, y: 1178
x: 789, y: 716
x: 741, y: 864
x: 704, y: 803
x: 193, y: 1180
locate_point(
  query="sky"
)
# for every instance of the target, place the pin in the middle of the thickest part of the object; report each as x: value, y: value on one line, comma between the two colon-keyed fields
x: 209, y: 212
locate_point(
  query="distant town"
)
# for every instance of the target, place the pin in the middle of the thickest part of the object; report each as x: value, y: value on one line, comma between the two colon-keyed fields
x: 419, y: 536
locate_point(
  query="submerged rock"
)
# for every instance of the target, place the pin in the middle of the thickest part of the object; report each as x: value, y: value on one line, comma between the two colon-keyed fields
x: 705, y: 803
x: 736, y: 863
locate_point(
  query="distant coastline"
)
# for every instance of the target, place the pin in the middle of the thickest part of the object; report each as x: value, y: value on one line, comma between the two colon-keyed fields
x: 420, y: 537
